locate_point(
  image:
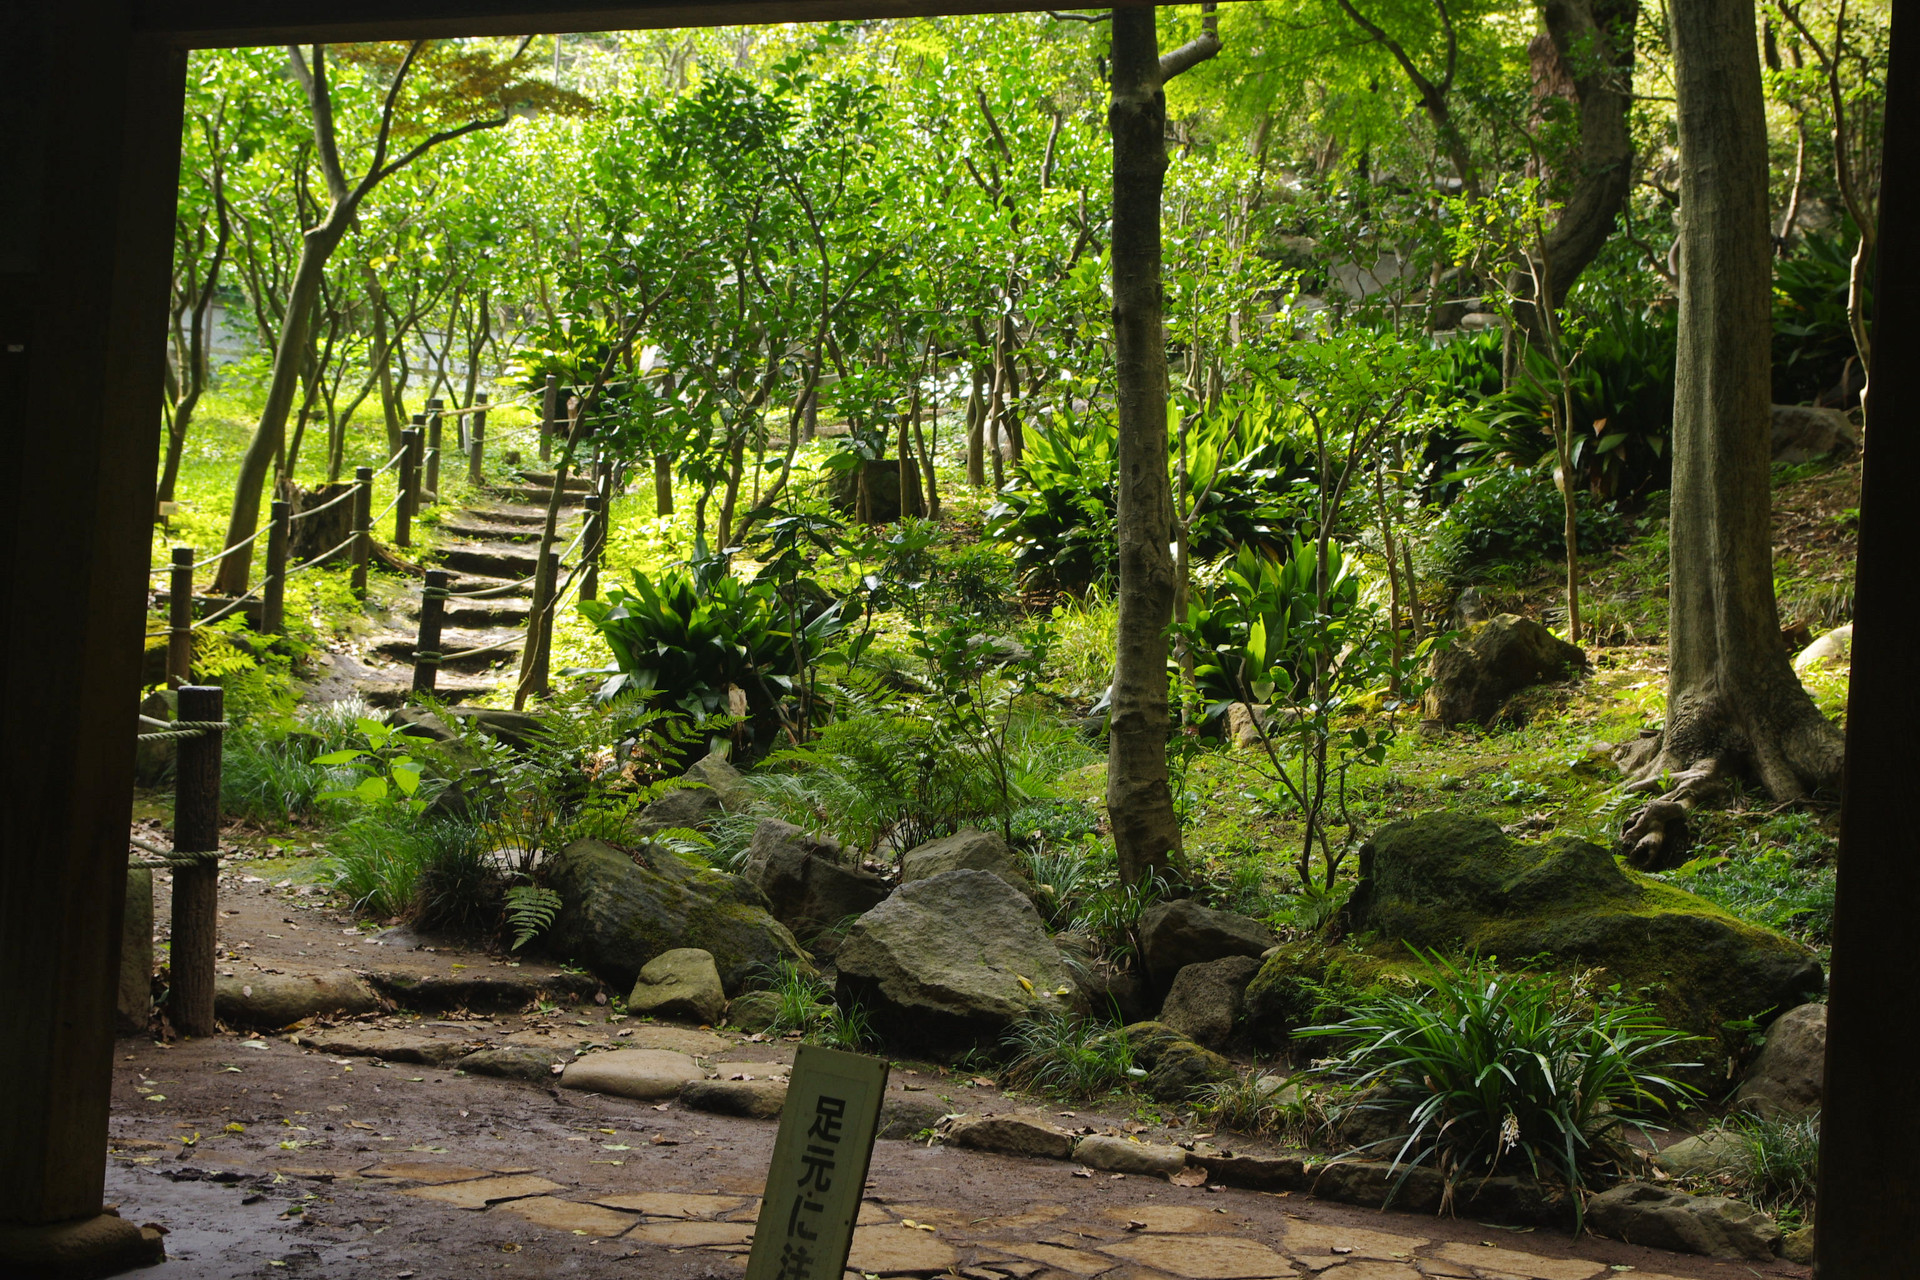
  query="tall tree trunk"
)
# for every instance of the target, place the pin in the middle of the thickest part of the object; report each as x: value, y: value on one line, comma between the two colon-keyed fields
x: 1146, y: 834
x: 1733, y: 701
x: 976, y: 433
x: 289, y: 357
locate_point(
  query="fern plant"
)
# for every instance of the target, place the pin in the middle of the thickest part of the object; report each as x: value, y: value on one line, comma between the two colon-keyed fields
x: 530, y: 911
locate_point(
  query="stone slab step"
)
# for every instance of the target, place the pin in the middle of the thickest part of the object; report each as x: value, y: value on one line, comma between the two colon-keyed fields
x: 501, y: 611
x: 544, y: 479
x: 452, y: 640
x: 486, y: 531
x: 506, y: 561
x: 384, y: 691
x: 514, y: 513
x: 539, y: 494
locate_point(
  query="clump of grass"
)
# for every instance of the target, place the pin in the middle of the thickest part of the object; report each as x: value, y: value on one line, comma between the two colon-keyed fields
x: 806, y: 1004
x: 385, y: 863
x: 1501, y: 1069
x: 1256, y: 1102
x: 1063, y: 1054
x: 1782, y: 1163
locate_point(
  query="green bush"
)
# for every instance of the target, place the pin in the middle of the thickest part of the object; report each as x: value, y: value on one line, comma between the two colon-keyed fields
x: 1065, y: 1055
x: 1500, y: 1070
x: 384, y: 860
x: 1513, y: 515
x: 1812, y: 340
x: 1780, y: 1170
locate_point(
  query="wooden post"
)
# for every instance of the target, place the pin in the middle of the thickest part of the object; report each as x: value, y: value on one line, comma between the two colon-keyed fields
x: 549, y: 415
x: 431, y: 489
x: 426, y: 649
x: 590, y: 545
x: 180, y: 618
x: 362, y: 529
x: 273, y: 592
x: 196, y: 885
x: 409, y: 485
x: 477, y: 441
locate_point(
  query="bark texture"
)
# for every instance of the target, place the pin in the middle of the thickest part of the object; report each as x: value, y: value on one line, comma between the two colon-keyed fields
x: 1734, y: 704
x: 1146, y: 834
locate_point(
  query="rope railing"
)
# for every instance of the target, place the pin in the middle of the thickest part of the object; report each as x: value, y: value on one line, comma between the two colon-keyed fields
x: 180, y: 730
x: 489, y: 593
x: 218, y: 555
x: 324, y: 556
x: 392, y: 462
x: 163, y: 858
x: 398, y: 498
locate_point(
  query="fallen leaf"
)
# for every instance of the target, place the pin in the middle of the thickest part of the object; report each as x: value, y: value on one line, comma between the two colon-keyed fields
x: 1134, y: 1224
x: 351, y: 1124
x: 660, y: 1140
x: 1083, y: 1173
x: 982, y: 1081
x: 1341, y: 1248
x: 1191, y: 1176
x: 236, y: 1127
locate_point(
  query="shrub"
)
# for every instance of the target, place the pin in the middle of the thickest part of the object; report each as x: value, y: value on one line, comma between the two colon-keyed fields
x: 1514, y: 515
x: 806, y: 1004
x: 378, y: 860
x: 1782, y: 1162
x: 1498, y: 1069
x: 1063, y: 1054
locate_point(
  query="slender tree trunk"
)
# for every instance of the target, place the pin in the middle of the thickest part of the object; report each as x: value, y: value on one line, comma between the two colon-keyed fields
x: 976, y: 433
x: 1146, y: 834
x: 289, y: 356
x: 1733, y: 701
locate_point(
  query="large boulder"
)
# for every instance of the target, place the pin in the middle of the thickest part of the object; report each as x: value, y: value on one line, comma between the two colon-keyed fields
x: 1803, y: 432
x: 682, y: 984
x: 952, y: 960
x: 1448, y: 882
x: 807, y: 880
x: 619, y: 910
x: 1206, y: 1000
x: 965, y: 851
x: 1473, y: 678
x: 1183, y: 932
x: 1662, y: 1218
x: 1789, y: 1075
x: 1833, y: 649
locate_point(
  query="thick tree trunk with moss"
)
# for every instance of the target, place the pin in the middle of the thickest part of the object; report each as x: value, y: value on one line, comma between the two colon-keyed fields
x: 1734, y: 705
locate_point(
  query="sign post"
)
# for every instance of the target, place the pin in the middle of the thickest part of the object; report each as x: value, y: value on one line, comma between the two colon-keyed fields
x: 819, y: 1170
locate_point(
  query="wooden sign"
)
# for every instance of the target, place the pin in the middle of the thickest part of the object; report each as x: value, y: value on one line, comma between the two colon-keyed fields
x: 819, y: 1166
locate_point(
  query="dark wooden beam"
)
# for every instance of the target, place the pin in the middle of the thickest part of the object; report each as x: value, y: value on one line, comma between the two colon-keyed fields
x: 215, y: 23
x: 83, y: 308
x: 1870, y: 1125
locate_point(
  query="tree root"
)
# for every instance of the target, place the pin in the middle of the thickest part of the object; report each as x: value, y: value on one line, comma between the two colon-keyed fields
x: 1657, y: 836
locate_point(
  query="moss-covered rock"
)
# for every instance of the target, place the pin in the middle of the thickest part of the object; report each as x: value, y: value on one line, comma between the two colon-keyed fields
x: 1175, y: 1065
x: 1450, y: 883
x: 619, y: 910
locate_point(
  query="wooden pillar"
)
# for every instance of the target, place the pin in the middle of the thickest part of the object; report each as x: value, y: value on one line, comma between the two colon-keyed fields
x: 436, y: 410
x: 409, y: 486
x: 180, y: 617
x: 426, y: 647
x: 90, y: 117
x: 590, y: 545
x: 196, y: 891
x: 477, y: 441
x: 549, y: 415
x: 362, y: 529
x: 1869, y: 1195
x: 273, y: 592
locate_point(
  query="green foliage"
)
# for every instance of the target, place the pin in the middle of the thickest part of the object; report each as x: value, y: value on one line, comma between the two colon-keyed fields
x: 1779, y: 875
x: 1780, y: 1168
x: 530, y: 910
x: 1066, y: 1055
x: 1513, y: 515
x: 1498, y: 1070
x: 1257, y: 626
x: 387, y: 777
x: 1812, y: 340
x: 807, y: 1004
x: 378, y: 859
x: 699, y: 638
x: 1069, y: 876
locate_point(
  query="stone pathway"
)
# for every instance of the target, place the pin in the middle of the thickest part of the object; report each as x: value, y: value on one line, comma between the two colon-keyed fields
x: 489, y: 545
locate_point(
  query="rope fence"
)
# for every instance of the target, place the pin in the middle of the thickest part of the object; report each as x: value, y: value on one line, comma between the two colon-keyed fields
x: 334, y: 501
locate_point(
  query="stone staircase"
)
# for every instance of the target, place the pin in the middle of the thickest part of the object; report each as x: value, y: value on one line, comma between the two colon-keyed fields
x: 492, y: 546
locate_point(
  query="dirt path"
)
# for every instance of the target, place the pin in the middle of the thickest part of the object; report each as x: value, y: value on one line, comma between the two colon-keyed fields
x: 262, y: 1157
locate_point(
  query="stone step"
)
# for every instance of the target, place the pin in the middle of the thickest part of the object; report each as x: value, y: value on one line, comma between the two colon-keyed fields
x: 539, y: 494
x: 506, y: 513
x: 487, y: 560
x: 487, y: 531
x: 496, y: 611
x: 576, y: 482
x: 452, y: 640
x: 393, y: 691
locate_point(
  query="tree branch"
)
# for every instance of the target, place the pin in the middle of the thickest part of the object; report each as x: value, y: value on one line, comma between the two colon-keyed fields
x: 313, y: 80
x: 1197, y: 50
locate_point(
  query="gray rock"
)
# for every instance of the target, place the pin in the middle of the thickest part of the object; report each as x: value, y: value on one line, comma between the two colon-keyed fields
x: 1802, y: 432
x: 513, y: 1062
x: 1176, y: 1067
x: 1788, y: 1077
x: 515, y: 728
x: 418, y: 722
x: 1832, y: 649
x: 807, y: 880
x: 1206, y: 1000
x: 135, y: 1004
x: 273, y: 1000
x: 153, y: 761
x: 1704, y: 1155
x: 754, y: 1011
x: 753, y: 1099
x: 903, y: 1116
x: 681, y: 984
x: 1473, y: 678
x: 966, y: 851
x: 1183, y: 932
x: 1011, y: 1136
x: 942, y: 962
x: 644, y: 1074
x: 1662, y: 1218
x: 713, y: 786
x: 1118, y: 1155
x: 1797, y: 1246
x: 619, y: 911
